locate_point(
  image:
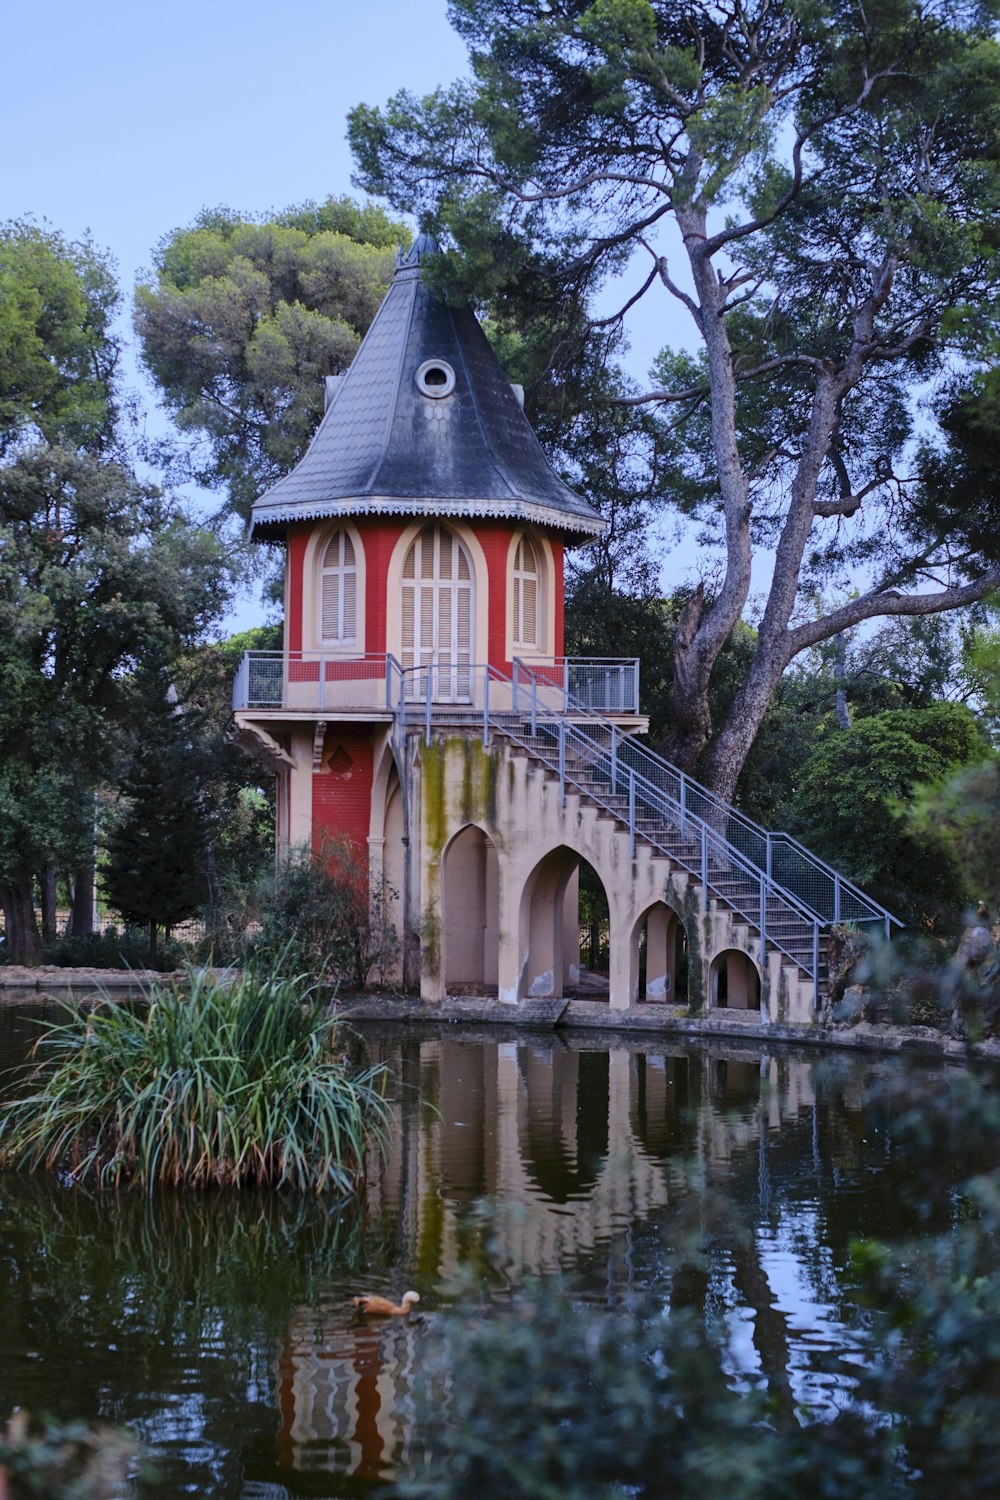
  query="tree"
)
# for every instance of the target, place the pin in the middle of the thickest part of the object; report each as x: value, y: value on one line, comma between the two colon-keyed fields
x: 851, y: 801
x: 240, y: 795
x: 96, y: 570
x: 58, y: 353
x: 246, y: 316
x: 156, y: 866
x: 817, y: 187
x: 96, y: 566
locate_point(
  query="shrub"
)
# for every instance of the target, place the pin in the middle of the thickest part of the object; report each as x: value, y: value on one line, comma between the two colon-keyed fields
x: 210, y: 1084
x: 65, y: 1461
x: 318, y: 914
x: 112, y: 949
x: 551, y: 1398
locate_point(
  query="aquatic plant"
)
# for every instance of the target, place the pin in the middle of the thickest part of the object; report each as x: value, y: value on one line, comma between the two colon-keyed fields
x: 213, y: 1082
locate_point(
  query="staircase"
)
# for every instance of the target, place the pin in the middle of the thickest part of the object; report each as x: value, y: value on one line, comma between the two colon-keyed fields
x: 784, y: 896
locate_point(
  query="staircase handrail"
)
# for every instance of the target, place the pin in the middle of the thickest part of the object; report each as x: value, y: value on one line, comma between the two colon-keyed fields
x: 422, y: 709
x: 688, y: 786
x: 713, y: 847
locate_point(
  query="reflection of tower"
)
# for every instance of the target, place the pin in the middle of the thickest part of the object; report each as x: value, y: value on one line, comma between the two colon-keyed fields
x: 344, y: 1396
x: 583, y: 1146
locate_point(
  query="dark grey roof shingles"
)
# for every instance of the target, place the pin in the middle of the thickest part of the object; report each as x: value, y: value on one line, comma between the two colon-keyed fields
x: 382, y: 443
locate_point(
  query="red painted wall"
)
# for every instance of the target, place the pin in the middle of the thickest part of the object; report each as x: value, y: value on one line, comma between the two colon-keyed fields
x: 342, y: 791
x: 379, y: 536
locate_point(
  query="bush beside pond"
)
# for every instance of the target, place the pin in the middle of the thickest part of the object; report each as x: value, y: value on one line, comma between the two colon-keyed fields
x: 212, y: 1083
x: 62, y: 1461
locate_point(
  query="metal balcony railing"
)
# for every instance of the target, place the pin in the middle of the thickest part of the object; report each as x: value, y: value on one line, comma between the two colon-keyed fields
x: 607, y: 684
x: 316, y: 680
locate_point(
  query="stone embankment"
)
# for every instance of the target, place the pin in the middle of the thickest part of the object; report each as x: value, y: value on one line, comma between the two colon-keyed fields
x: 19, y: 986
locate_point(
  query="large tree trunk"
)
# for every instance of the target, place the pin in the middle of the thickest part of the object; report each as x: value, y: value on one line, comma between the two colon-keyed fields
x: 152, y: 945
x: 48, y: 884
x: 24, y: 945
x: 81, y: 917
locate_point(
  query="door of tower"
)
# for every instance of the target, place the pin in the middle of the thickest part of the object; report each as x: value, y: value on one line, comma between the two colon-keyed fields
x: 438, y: 613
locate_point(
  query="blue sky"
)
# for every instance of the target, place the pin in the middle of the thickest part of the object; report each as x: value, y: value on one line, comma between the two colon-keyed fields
x: 125, y: 120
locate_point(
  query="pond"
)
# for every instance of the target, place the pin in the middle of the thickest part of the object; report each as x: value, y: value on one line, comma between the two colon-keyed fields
x: 220, y: 1328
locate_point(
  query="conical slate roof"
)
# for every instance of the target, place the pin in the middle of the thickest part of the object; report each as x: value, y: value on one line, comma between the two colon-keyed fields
x: 424, y: 423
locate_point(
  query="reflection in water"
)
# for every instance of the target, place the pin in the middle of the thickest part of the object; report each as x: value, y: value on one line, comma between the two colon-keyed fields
x: 220, y: 1328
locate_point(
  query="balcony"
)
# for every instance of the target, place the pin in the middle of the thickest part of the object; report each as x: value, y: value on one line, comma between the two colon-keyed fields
x: 309, y: 682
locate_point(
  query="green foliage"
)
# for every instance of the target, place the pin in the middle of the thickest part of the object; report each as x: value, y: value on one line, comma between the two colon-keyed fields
x: 962, y: 818
x: 852, y: 790
x: 155, y: 869
x: 937, y: 1298
x: 96, y: 571
x: 317, y: 916
x: 96, y: 567
x: 57, y: 350
x: 245, y: 318
x: 63, y: 1461
x: 114, y: 949
x: 214, y: 1082
x: 628, y: 1400
x: 958, y: 494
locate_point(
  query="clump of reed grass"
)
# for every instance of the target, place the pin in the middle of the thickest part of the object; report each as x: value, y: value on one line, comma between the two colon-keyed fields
x: 211, y: 1083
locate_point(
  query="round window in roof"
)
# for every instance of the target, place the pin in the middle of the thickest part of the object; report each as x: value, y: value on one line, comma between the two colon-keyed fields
x: 435, y: 378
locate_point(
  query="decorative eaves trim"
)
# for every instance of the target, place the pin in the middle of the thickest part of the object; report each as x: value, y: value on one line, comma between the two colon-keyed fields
x: 384, y: 505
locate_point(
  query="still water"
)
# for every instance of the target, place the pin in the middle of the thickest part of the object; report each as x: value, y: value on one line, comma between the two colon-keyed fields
x: 219, y: 1329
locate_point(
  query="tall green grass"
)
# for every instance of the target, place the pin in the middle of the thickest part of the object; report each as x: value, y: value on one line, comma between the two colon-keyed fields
x: 209, y: 1084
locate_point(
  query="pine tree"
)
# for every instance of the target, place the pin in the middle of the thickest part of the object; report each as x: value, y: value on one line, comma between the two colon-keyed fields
x: 154, y: 874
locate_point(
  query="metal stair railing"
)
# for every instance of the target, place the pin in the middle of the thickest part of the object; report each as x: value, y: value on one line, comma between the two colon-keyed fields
x: 582, y: 763
x: 786, y: 862
x: 590, y: 759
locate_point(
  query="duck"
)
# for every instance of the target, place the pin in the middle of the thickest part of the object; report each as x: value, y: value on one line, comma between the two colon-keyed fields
x: 380, y: 1307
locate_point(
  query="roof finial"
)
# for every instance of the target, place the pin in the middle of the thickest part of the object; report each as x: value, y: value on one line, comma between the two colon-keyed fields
x: 423, y: 246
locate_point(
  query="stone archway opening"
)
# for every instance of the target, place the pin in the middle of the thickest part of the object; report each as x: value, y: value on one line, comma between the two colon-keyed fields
x: 659, y: 958
x: 564, y: 928
x: 734, y: 982
x: 594, y: 922
x: 471, y: 915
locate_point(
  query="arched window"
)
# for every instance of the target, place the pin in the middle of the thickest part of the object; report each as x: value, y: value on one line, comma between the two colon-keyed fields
x: 525, y: 596
x: 339, y: 592
x: 438, y: 587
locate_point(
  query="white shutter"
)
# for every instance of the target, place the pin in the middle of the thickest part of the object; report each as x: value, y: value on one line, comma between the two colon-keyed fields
x: 529, y: 615
x: 339, y: 591
x: 350, y: 605
x: 525, y: 595
x: 331, y: 606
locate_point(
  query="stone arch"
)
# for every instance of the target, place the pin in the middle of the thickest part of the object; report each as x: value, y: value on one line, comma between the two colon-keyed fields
x: 470, y: 924
x: 734, y: 981
x: 548, y: 929
x: 665, y: 935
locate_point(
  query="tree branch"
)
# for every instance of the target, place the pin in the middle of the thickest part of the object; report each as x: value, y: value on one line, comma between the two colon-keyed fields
x: 872, y: 605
